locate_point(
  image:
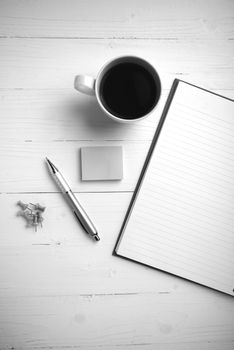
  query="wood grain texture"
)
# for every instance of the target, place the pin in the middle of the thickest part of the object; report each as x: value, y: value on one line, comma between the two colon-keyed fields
x: 115, y: 321
x: 58, y: 289
x: 42, y: 63
x: 131, y: 19
x: 64, y: 115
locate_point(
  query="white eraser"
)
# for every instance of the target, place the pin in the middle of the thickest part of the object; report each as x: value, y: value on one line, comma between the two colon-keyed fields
x: 101, y: 163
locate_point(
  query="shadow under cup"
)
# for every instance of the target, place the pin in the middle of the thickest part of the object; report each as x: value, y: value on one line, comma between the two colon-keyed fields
x: 129, y: 88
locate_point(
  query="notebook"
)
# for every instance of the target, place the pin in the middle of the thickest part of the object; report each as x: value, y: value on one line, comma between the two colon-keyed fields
x: 181, y: 217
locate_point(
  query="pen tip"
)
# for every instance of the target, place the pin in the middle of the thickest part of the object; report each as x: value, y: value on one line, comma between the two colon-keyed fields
x: 52, y: 167
x: 96, y: 237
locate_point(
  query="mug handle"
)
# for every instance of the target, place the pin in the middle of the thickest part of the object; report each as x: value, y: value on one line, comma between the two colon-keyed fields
x: 85, y: 84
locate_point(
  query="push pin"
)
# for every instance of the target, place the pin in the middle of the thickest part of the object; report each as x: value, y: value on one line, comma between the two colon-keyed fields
x: 22, y: 205
x: 39, y: 207
x: 32, y: 213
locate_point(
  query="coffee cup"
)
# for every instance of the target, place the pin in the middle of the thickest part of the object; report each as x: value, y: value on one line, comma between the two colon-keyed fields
x: 127, y: 88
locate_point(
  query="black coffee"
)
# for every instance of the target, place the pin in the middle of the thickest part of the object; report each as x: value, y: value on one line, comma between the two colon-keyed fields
x: 129, y: 91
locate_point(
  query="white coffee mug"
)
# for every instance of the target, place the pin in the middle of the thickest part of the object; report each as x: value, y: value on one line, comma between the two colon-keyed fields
x: 132, y: 100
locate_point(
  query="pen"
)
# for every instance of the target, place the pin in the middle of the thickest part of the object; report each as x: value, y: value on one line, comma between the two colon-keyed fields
x: 77, y: 209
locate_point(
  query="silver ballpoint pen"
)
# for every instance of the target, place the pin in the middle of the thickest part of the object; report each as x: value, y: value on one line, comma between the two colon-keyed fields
x: 77, y: 209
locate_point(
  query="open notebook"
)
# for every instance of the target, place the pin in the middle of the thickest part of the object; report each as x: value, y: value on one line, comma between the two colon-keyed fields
x: 181, y: 217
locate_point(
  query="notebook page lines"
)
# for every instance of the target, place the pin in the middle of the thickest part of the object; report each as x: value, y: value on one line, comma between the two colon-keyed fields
x: 184, y: 270
x: 178, y: 255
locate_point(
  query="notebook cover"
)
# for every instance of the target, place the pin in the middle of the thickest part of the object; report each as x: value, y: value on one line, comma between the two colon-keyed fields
x: 144, y: 170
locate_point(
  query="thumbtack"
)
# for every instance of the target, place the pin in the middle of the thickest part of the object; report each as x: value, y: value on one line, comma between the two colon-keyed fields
x: 39, y: 207
x: 22, y: 205
x: 32, y: 213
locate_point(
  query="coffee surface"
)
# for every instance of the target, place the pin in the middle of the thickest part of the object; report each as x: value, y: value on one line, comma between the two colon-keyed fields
x: 129, y: 90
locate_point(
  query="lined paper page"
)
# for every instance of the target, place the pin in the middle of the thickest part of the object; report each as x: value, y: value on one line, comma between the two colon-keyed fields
x: 182, y: 221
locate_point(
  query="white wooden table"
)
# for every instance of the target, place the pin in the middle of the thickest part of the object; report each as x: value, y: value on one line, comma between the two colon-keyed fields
x: 58, y: 289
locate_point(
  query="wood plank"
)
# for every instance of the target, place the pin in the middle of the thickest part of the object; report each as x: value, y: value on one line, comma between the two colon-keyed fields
x: 64, y: 114
x: 142, y: 321
x: 44, y: 64
x: 24, y: 168
x: 161, y: 19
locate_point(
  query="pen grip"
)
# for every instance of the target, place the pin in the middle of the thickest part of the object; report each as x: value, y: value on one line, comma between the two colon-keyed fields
x: 74, y: 203
x: 80, y: 213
